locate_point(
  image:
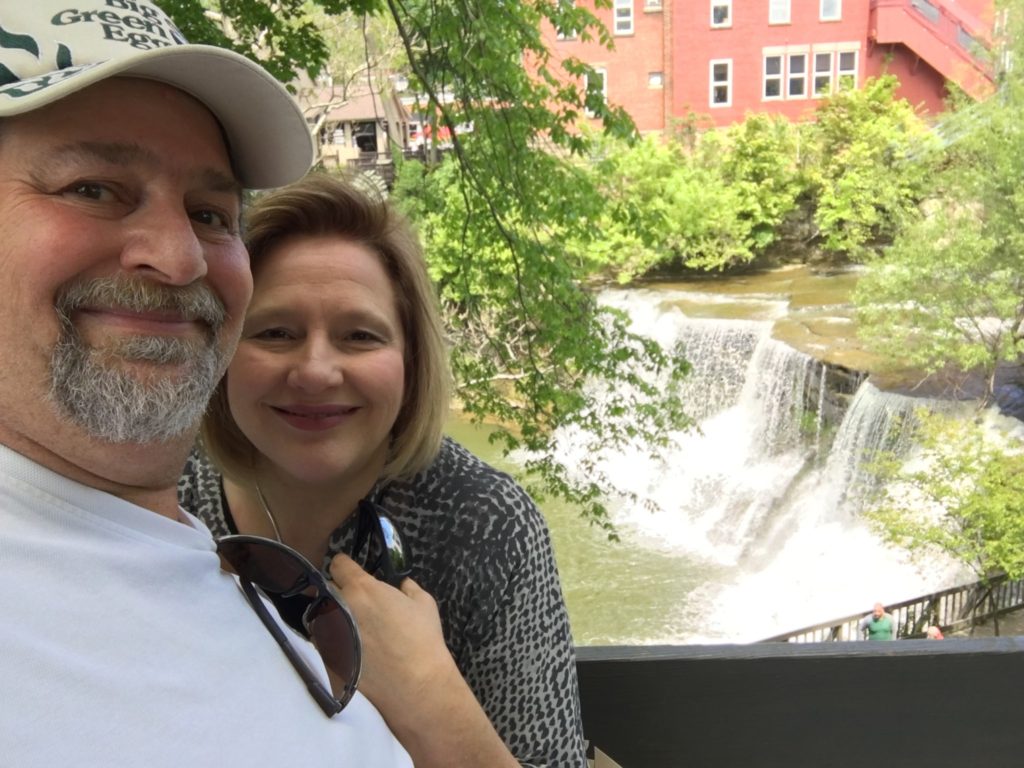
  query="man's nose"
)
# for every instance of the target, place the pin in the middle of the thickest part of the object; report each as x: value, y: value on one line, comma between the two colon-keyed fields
x: 162, y: 243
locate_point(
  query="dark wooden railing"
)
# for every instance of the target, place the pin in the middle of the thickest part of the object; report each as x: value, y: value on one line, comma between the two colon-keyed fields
x: 915, y: 703
x: 952, y: 610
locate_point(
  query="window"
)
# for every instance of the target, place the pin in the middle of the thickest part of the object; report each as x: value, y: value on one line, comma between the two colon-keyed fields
x: 721, y: 13
x: 823, y: 74
x: 655, y: 79
x: 652, y: 5
x: 846, y: 71
x: 721, y: 83
x: 835, y: 68
x: 598, y: 81
x: 799, y: 71
x: 772, y: 77
x: 797, y: 85
x: 566, y: 6
x: 778, y: 11
x: 623, y: 17
x: 831, y: 10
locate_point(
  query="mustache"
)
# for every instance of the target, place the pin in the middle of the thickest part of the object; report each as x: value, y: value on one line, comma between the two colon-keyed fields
x: 192, y: 302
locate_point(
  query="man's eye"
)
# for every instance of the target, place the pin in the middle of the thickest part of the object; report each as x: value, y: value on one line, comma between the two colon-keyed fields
x: 90, y: 190
x: 215, y: 219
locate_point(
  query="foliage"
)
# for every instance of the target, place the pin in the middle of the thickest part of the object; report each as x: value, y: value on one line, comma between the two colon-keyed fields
x: 762, y: 165
x: 951, y: 289
x: 963, y: 497
x: 277, y: 33
x: 528, y: 336
x: 944, y: 295
x: 364, y: 53
x: 865, y: 167
x: 530, y: 401
x: 711, y: 202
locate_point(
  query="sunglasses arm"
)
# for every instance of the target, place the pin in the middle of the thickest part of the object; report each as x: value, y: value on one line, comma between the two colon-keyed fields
x: 323, y: 696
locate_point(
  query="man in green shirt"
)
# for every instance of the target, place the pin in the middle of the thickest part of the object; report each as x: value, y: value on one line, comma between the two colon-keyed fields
x: 878, y: 625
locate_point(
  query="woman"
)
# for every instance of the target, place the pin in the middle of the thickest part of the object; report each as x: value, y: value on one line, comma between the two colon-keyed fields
x: 337, y: 394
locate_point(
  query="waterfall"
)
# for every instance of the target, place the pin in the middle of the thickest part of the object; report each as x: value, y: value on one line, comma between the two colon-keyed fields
x: 750, y: 491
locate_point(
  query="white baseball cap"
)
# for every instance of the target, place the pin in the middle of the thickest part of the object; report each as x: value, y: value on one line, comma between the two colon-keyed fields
x: 52, y: 48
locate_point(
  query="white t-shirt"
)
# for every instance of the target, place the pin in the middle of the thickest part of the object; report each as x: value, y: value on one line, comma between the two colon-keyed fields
x: 122, y: 643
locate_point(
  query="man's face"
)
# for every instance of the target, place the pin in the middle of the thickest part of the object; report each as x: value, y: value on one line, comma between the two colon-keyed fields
x: 125, y: 277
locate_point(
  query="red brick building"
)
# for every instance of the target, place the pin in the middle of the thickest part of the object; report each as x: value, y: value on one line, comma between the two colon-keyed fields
x: 725, y: 58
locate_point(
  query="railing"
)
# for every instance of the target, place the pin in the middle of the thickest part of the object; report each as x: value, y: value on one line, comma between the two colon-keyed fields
x: 951, y: 610
x: 949, y: 21
x: 914, y: 703
x: 381, y: 162
x: 948, y: 25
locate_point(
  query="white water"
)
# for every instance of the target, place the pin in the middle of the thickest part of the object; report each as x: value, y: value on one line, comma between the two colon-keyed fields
x: 748, y: 492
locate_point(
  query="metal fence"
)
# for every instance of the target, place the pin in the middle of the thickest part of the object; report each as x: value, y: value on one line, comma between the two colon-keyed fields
x: 952, y: 609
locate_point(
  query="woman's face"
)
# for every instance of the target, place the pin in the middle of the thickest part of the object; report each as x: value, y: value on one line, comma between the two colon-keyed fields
x: 318, y: 378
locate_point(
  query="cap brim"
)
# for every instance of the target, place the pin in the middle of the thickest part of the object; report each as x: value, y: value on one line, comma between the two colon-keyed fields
x: 269, y: 138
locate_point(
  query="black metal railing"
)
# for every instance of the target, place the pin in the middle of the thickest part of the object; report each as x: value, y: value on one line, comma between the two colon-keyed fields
x: 951, y: 610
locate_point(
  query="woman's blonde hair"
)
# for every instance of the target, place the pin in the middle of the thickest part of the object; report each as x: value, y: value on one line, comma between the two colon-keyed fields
x: 322, y: 205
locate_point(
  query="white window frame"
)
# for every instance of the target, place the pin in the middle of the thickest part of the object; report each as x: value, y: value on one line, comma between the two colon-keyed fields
x: 780, y: 11
x: 827, y: 74
x: 603, y: 72
x: 656, y: 80
x: 842, y: 72
x: 779, y: 78
x: 813, y: 80
x: 835, y: 5
x: 652, y: 5
x: 623, y: 17
x: 800, y: 76
x: 713, y: 83
x: 727, y: 22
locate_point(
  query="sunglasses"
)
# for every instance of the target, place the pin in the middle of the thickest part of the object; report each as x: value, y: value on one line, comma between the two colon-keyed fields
x: 388, y: 556
x: 282, y: 573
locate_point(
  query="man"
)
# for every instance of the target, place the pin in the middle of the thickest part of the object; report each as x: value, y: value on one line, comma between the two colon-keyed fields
x: 878, y: 625
x: 123, y: 152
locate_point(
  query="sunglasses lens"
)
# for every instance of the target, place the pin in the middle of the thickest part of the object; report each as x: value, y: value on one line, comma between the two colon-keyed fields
x: 272, y: 569
x: 394, y: 547
x: 336, y: 638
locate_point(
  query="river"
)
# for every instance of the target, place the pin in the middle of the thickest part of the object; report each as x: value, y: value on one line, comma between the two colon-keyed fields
x: 756, y: 527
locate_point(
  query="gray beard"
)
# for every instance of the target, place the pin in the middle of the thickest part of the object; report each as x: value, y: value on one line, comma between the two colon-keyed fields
x: 96, y: 390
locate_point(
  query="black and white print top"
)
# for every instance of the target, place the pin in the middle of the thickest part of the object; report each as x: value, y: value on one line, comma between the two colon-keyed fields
x: 481, y: 547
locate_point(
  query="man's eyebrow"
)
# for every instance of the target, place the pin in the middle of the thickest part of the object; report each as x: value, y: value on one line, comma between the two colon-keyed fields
x: 125, y: 154
x: 115, y: 153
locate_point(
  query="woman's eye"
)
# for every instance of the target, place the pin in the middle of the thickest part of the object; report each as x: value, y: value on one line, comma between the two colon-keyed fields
x: 364, y: 336
x: 272, y: 334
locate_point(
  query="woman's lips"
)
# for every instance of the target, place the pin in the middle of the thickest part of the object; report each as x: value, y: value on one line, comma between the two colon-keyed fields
x: 314, y: 418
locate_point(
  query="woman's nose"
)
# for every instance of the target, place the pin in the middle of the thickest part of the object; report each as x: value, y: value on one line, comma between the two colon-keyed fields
x: 316, y: 370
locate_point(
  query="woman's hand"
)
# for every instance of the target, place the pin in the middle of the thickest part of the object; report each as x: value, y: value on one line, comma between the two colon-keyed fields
x: 410, y: 676
x: 404, y: 653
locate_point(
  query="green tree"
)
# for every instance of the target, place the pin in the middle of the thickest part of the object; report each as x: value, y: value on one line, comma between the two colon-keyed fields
x: 530, y: 339
x: 950, y: 292
x: 863, y: 159
x: 712, y: 201
x: 962, y: 496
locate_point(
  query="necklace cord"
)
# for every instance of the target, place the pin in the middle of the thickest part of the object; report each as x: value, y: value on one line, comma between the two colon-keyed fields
x: 269, y: 514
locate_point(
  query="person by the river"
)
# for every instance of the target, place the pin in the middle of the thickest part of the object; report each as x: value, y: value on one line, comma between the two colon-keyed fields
x: 878, y: 625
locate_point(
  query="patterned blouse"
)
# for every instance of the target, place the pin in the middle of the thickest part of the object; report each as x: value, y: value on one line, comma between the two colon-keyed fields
x: 481, y: 547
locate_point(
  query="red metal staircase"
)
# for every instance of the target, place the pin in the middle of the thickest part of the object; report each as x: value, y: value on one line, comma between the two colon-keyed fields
x: 947, y: 36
